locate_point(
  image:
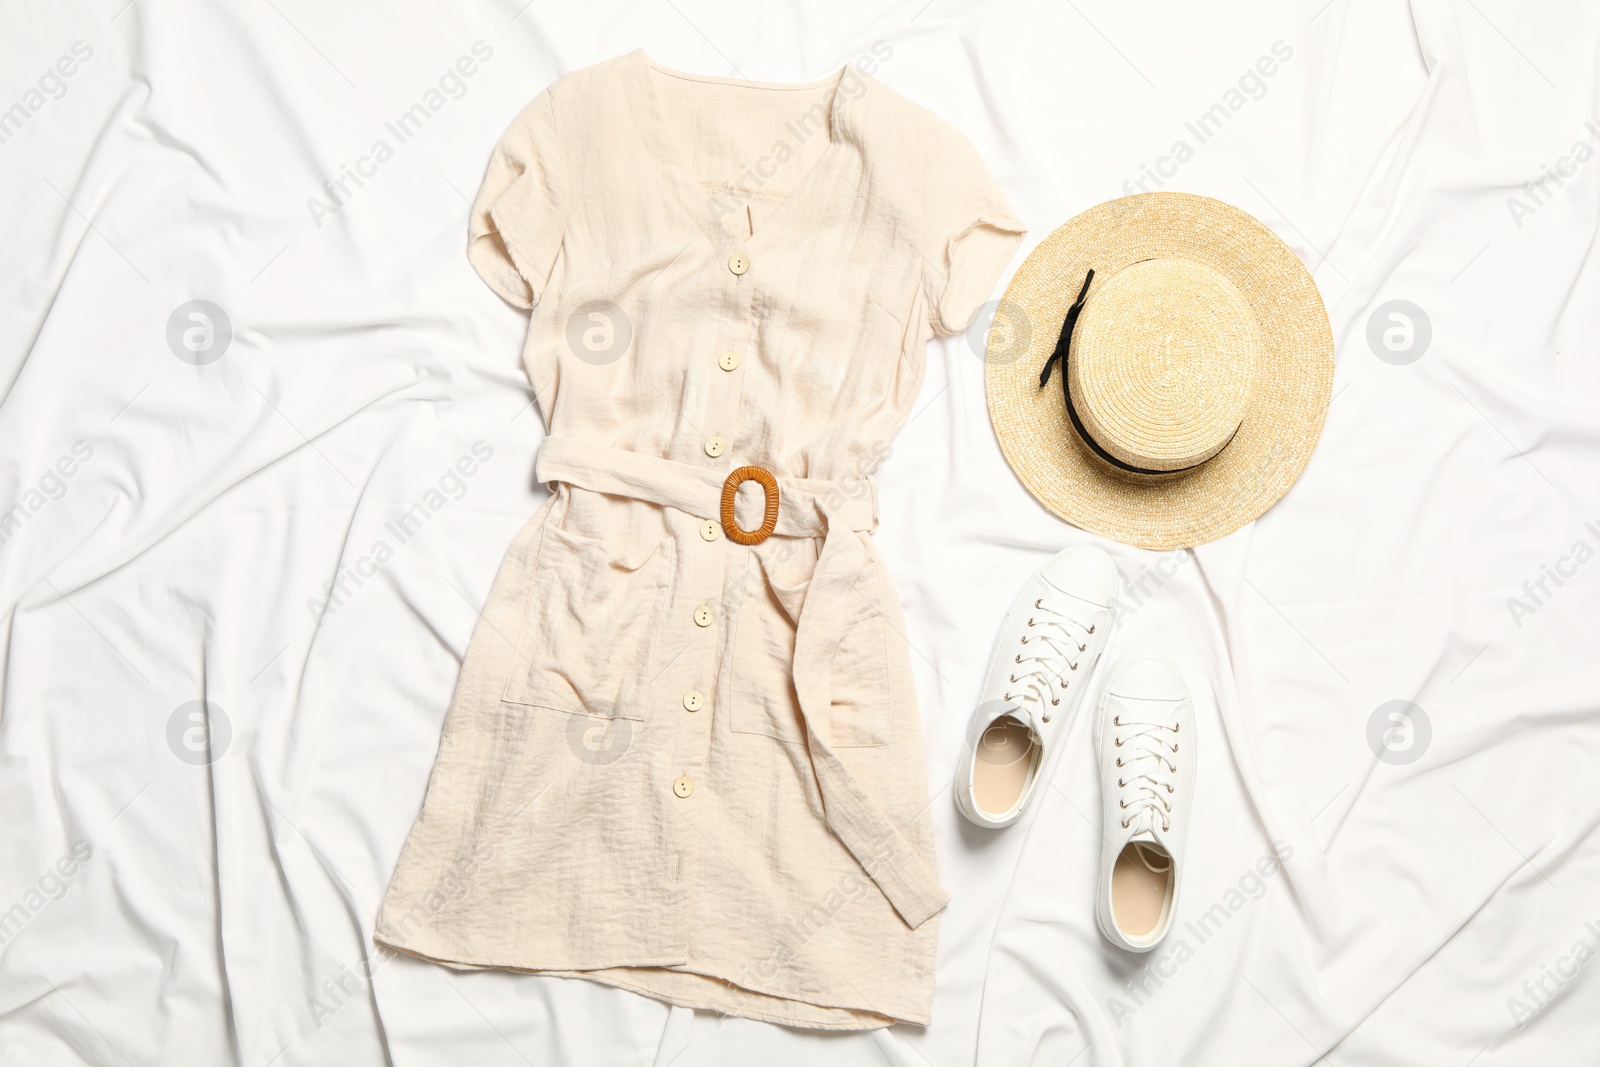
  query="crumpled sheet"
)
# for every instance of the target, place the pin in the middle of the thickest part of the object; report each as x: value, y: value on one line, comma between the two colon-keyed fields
x: 288, y: 509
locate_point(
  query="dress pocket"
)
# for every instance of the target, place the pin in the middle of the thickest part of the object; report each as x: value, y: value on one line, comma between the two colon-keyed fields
x: 763, y: 694
x: 588, y: 637
x: 862, y: 712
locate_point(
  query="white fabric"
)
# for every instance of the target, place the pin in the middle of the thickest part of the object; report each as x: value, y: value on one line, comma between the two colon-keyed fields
x: 221, y: 915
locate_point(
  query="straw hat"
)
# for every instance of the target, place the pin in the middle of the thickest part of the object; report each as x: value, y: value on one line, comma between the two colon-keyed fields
x: 1200, y: 366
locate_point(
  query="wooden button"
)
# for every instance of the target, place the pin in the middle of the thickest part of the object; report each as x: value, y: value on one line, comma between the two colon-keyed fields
x: 728, y: 361
x: 704, y: 616
x: 715, y: 446
x: 683, y: 786
x: 694, y: 700
x: 738, y: 263
x: 710, y: 530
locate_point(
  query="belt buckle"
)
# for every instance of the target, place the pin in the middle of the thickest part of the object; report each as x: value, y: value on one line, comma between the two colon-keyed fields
x: 769, y: 521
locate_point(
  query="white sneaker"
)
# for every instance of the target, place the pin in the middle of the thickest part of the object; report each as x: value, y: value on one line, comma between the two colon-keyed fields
x: 1048, y: 644
x: 1144, y: 739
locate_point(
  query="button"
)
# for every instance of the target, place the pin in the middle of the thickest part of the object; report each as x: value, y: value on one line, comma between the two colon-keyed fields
x: 738, y: 263
x: 682, y: 786
x: 715, y: 446
x: 728, y: 361
x: 694, y: 700
x: 704, y: 616
x: 710, y: 530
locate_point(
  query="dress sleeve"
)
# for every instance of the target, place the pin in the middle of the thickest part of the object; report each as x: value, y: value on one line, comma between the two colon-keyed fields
x: 517, y: 220
x: 971, y: 230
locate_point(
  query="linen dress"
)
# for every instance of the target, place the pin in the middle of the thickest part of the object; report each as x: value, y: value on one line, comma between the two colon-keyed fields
x: 675, y: 763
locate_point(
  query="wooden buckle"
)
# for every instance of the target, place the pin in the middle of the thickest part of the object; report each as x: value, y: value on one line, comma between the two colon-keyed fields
x: 769, y: 521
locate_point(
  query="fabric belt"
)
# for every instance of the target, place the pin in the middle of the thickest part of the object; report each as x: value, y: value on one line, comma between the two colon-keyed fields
x: 811, y: 507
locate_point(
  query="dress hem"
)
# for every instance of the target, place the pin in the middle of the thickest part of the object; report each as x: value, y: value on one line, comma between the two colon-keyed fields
x: 870, y: 1019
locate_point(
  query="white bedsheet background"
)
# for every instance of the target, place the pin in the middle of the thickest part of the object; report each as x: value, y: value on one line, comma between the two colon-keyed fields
x: 172, y: 529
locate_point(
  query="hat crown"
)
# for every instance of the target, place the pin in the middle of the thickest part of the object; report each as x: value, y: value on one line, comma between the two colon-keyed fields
x: 1163, y: 363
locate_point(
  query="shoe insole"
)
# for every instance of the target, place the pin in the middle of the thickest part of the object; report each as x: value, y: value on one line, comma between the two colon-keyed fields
x: 1141, y: 882
x: 1000, y: 772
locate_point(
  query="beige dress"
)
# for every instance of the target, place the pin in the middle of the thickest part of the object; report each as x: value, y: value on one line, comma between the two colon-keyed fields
x: 675, y: 763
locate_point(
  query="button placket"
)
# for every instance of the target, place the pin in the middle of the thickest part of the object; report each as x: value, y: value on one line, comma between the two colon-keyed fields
x: 734, y: 342
x: 704, y: 578
x: 702, y: 566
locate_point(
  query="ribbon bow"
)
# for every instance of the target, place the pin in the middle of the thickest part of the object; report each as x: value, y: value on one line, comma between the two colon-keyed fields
x: 1064, y: 342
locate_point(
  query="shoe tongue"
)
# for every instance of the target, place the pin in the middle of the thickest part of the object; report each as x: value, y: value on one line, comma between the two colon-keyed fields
x: 1074, y: 599
x: 1144, y: 711
x: 1022, y: 715
x: 1150, y: 852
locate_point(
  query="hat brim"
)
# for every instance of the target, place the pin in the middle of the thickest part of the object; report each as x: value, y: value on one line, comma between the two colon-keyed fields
x: 1279, y: 431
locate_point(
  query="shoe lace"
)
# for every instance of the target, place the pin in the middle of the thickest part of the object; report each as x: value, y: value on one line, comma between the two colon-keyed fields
x: 1044, y: 659
x: 1147, y: 768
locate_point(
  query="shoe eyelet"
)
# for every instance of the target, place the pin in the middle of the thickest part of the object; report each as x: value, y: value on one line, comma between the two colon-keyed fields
x: 1013, y: 679
x: 1116, y: 720
x: 1118, y: 742
x: 1030, y: 622
x: 1091, y: 629
x: 1124, y: 824
x: 1122, y: 804
x: 1177, y: 728
x: 1120, y: 783
x: 1054, y: 702
x: 1082, y: 647
x: 1119, y: 761
x: 1024, y: 639
x: 1072, y: 666
x: 1039, y: 604
x: 1018, y: 657
x: 1169, y: 789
